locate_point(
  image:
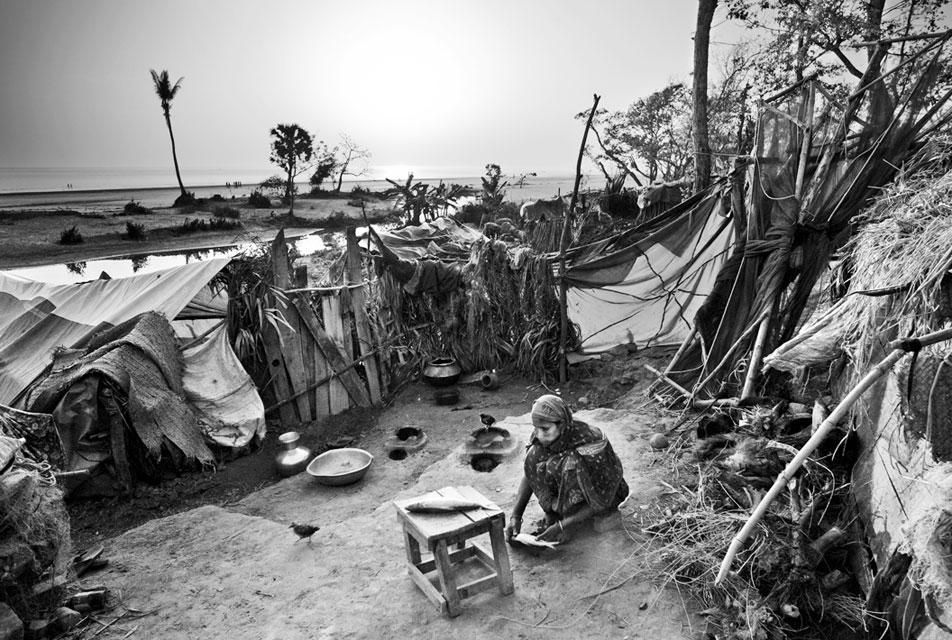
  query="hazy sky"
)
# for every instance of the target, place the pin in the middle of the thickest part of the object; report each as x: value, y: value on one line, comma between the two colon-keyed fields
x: 453, y: 83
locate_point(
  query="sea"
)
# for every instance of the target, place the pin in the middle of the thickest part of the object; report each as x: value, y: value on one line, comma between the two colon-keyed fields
x: 522, y: 185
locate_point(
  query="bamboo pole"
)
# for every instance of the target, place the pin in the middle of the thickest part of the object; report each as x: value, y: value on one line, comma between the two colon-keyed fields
x: 563, y: 246
x: 684, y: 347
x: 899, y: 349
x: 730, y: 352
x: 758, y: 352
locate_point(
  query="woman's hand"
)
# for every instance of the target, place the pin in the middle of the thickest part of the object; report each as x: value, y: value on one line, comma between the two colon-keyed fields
x: 554, y: 533
x: 513, y: 528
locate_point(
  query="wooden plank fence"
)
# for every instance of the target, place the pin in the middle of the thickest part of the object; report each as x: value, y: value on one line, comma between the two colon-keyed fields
x: 323, y: 357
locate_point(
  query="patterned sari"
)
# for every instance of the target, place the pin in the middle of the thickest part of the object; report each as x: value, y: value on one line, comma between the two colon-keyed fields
x: 579, y: 468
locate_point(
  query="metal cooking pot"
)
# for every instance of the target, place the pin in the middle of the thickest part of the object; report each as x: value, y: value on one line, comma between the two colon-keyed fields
x: 441, y: 372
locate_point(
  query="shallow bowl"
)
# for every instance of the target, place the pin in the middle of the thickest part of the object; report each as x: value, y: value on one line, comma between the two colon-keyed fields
x: 340, y: 466
x: 446, y: 396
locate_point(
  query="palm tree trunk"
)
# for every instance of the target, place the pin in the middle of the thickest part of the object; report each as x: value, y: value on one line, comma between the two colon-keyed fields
x: 178, y: 175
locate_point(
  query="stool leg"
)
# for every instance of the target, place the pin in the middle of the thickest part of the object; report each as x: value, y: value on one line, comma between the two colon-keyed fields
x: 501, y: 556
x: 447, y: 580
x: 412, y: 547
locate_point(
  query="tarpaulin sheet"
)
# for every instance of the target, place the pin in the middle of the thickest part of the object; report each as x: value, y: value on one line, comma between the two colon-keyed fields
x: 222, y: 394
x: 442, y: 238
x: 36, y: 318
x: 647, y: 294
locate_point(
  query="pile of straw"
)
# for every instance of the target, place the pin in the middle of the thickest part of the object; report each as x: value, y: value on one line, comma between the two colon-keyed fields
x: 776, y: 589
x: 32, y: 513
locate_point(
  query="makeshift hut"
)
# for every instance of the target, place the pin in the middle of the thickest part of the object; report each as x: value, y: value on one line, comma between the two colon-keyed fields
x: 817, y: 162
x: 899, y: 293
x: 776, y: 479
x: 125, y: 386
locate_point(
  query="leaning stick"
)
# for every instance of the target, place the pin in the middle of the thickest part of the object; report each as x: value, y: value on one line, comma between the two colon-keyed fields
x: 899, y: 349
x: 755, y: 357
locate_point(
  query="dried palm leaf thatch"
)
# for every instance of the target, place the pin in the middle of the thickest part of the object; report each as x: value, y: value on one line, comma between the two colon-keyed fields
x: 777, y: 590
x: 504, y: 317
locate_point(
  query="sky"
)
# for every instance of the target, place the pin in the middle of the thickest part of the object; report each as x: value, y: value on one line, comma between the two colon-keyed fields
x: 418, y: 83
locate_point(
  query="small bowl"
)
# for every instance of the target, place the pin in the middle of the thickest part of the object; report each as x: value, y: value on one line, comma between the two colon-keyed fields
x: 446, y: 396
x: 338, y: 467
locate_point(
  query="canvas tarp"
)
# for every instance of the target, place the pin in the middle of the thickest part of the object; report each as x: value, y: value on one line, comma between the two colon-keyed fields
x: 36, y: 318
x: 647, y: 293
x: 221, y: 392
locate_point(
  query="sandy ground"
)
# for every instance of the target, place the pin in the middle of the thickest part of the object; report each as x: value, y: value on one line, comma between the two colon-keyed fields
x: 238, y: 572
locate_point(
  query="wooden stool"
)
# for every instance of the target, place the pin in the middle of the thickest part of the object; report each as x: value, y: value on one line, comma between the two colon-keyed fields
x: 438, y: 531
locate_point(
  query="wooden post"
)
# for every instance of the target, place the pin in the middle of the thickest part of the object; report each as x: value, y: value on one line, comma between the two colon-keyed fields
x: 563, y: 246
x: 272, y: 340
x: 365, y: 338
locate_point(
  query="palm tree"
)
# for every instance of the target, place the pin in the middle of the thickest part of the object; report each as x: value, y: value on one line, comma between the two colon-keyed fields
x: 166, y: 92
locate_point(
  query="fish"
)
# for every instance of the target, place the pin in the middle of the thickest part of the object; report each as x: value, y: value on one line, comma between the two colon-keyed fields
x: 530, y: 540
x: 444, y: 505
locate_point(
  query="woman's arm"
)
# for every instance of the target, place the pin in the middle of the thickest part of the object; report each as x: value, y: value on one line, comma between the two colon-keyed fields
x: 523, y: 493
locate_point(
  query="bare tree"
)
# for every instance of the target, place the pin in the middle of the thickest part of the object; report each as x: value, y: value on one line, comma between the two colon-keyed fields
x: 350, y: 153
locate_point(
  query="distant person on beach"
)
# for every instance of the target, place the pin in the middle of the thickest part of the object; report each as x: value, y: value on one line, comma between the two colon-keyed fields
x: 571, y: 469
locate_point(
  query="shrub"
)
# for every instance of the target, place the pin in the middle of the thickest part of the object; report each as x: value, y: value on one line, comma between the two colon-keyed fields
x: 71, y: 236
x: 134, y: 208
x: 199, y: 224
x: 258, y: 200
x: 274, y: 186
x: 135, y: 231
x: 226, y: 212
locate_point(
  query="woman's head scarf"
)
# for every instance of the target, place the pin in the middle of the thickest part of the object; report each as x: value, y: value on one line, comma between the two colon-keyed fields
x: 553, y: 409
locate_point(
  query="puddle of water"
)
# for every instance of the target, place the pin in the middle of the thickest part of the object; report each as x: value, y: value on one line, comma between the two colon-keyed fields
x: 124, y: 267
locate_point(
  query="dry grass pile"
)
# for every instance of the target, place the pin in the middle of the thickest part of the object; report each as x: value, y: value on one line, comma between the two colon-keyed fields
x: 505, y: 316
x: 34, y: 535
x: 791, y: 580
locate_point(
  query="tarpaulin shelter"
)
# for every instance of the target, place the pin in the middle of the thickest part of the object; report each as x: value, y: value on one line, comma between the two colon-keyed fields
x: 67, y: 350
x: 36, y: 317
x: 648, y: 292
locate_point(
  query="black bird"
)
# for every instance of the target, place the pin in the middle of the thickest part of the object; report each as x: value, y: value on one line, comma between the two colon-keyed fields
x: 304, y: 530
x: 487, y: 419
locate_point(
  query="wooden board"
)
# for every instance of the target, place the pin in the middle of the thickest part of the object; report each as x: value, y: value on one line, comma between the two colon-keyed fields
x: 335, y: 359
x: 334, y: 327
x: 277, y: 375
x: 365, y: 337
x: 321, y: 395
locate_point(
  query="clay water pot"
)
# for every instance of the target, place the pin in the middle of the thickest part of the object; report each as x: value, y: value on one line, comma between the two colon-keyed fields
x: 442, y: 372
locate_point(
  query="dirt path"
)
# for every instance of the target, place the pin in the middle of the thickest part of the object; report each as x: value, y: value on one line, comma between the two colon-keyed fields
x: 238, y: 572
